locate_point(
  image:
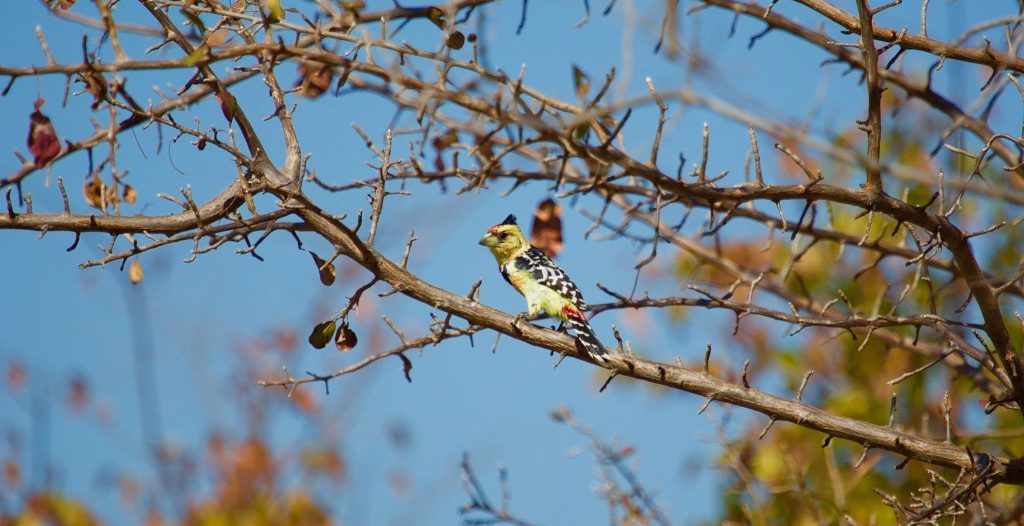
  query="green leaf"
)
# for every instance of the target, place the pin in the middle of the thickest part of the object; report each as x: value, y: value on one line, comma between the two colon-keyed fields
x: 580, y: 81
x: 196, y: 56
x: 435, y: 15
x: 322, y: 334
x: 194, y: 20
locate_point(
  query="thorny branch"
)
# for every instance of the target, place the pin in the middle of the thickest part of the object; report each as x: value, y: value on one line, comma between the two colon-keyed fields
x: 482, y: 121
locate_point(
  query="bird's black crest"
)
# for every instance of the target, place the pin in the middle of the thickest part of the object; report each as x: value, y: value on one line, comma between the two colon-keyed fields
x: 510, y: 220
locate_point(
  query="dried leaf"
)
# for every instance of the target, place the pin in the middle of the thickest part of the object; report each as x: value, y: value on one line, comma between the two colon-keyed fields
x: 129, y: 194
x: 442, y: 141
x: 217, y: 38
x: 485, y: 148
x: 78, y: 393
x: 353, y: 5
x: 345, y: 339
x: 314, y: 79
x: 42, y: 138
x: 285, y: 339
x: 96, y: 84
x: 92, y: 191
x: 580, y: 81
x: 16, y: 376
x: 135, y: 272
x: 322, y: 334
x: 327, y: 271
x: 455, y: 40
x: 547, y: 227
x: 12, y: 474
x: 406, y: 367
x: 324, y: 460
x: 128, y: 490
x: 436, y: 15
x: 63, y: 4
x: 228, y: 105
x: 304, y: 401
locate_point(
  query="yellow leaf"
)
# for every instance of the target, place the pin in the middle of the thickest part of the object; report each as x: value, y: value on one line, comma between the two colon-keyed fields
x: 135, y: 272
x: 129, y: 194
x: 275, y: 13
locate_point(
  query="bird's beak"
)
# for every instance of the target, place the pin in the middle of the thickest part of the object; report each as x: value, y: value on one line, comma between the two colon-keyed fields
x: 488, y: 241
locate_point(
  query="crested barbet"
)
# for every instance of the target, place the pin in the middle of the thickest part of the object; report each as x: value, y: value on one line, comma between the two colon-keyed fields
x: 546, y: 287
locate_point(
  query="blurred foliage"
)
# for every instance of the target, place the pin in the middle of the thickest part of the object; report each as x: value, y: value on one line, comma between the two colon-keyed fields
x: 238, y: 479
x: 791, y: 476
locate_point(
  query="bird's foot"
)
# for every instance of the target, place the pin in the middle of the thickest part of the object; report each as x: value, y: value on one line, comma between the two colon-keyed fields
x: 517, y: 322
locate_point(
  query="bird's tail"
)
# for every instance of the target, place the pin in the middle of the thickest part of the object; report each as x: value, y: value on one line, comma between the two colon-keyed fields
x: 586, y: 340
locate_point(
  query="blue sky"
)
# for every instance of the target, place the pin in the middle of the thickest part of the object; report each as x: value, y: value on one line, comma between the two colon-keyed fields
x: 63, y: 321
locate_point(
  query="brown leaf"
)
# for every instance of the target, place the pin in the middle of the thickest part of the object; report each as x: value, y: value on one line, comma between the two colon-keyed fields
x: 485, y: 147
x: 400, y: 482
x: 92, y: 191
x: 406, y: 366
x: 129, y: 194
x: 78, y: 394
x: 135, y: 272
x: 285, y: 339
x: 42, y: 138
x: 455, y: 40
x: 580, y: 81
x: 128, y: 490
x: 304, y: 401
x: 217, y: 38
x: 314, y: 79
x: 547, y: 227
x: 442, y: 141
x: 228, y: 105
x: 63, y: 4
x: 96, y: 84
x: 326, y: 270
x: 12, y: 474
x: 345, y: 339
x: 16, y: 376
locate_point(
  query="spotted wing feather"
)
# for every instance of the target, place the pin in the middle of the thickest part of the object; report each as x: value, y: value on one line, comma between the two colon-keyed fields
x: 548, y: 273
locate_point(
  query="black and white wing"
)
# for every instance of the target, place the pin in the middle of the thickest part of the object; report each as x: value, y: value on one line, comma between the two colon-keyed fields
x: 548, y: 273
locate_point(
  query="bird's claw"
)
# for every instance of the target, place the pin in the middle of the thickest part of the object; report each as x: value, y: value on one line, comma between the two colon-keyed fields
x: 517, y: 321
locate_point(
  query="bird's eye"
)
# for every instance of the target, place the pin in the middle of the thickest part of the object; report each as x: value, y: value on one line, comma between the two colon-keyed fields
x: 503, y: 235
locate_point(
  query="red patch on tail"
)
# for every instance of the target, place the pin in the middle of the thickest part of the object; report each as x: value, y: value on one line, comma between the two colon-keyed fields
x: 573, y: 312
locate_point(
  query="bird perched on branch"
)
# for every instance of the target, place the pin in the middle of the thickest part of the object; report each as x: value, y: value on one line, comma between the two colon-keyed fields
x: 546, y: 287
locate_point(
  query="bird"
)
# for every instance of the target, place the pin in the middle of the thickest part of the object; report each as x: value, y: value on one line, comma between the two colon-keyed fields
x: 544, y: 285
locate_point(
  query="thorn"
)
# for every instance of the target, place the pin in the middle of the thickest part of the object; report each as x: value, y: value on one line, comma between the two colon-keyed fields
x: 608, y: 381
x: 707, y: 402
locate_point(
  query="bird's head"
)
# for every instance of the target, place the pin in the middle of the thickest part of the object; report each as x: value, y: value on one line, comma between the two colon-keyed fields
x: 505, y: 240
